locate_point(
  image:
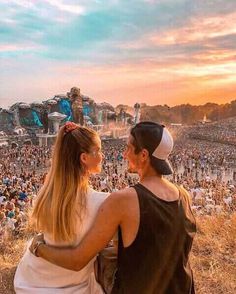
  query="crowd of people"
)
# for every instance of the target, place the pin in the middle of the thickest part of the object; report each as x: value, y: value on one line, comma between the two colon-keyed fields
x: 21, y: 175
x: 206, y: 169
x: 223, y: 132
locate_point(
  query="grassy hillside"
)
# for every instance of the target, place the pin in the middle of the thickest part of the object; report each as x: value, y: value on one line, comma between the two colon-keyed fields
x: 213, y: 259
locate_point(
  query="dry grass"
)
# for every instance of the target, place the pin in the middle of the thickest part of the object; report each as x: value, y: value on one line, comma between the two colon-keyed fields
x: 213, y: 259
x: 11, y: 253
x: 214, y: 255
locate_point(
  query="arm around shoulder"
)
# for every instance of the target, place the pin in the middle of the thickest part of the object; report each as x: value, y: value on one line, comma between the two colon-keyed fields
x: 103, y: 229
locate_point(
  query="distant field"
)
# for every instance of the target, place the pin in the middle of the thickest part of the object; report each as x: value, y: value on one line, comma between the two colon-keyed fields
x: 213, y: 258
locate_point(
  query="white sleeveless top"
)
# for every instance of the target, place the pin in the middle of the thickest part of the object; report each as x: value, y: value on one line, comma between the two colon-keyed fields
x: 36, y: 275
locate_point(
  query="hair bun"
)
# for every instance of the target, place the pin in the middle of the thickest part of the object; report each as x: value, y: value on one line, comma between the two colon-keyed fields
x: 70, y: 126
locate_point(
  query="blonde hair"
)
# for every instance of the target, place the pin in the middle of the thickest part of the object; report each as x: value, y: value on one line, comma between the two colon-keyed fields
x: 62, y: 199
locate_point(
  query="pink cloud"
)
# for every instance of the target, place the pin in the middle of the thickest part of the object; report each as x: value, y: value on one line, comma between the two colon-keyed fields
x: 197, y: 30
x: 18, y: 47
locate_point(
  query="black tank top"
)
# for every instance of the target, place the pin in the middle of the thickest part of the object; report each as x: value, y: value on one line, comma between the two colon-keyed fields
x: 157, y: 260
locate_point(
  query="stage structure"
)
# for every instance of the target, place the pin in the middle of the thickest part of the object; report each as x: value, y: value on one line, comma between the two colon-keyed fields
x: 6, y: 120
x: 136, y: 113
x: 61, y: 104
x: 56, y: 119
x: 76, y: 105
x: 37, y: 118
x: 26, y: 116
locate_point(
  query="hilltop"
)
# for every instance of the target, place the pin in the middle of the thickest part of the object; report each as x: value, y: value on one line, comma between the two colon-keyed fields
x: 213, y: 257
x: 185, y: 113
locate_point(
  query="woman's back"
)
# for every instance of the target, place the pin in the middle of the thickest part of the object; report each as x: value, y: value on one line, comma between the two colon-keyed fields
x: 36, y: 275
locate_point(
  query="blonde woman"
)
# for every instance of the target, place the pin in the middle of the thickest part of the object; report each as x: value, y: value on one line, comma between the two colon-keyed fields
x: 64, y: 210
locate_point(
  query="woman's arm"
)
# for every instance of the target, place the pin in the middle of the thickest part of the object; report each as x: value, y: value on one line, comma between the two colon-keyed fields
x: 105, y: 225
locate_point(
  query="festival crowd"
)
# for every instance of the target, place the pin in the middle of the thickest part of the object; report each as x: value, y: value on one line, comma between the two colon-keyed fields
x: 21, y: 175
x: 223, y: 132
x: 206, y: 169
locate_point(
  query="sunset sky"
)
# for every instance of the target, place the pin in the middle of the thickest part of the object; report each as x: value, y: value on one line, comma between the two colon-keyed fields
x: 118, y: 51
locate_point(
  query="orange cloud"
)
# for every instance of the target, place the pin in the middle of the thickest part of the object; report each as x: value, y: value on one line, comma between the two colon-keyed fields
x: 130, y: 83
x: 197, y: 30
x: 215, y: 56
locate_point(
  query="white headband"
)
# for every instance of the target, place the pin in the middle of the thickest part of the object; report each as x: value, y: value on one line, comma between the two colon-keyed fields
x: 165, y: 147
